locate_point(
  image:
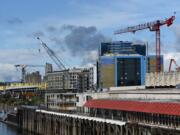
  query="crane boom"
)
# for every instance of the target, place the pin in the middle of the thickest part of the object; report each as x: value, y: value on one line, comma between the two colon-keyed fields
x: 52, y: 55
x: 152, y: 26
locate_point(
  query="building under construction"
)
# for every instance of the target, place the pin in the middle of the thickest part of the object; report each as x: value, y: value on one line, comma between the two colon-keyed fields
x: 74, y: 80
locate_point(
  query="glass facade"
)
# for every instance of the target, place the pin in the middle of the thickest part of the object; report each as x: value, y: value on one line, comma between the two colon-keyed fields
x: 128, y: 71
x: 122, y: 47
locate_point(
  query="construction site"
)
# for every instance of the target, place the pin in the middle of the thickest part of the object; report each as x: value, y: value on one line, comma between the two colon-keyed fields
x: 132, y: 94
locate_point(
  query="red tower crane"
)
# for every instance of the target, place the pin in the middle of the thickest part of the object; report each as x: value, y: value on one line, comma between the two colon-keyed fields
x: 152, y: 26
x: 170, y: 65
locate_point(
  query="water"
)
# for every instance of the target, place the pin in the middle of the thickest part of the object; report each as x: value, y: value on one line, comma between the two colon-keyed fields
x: 10, y: 130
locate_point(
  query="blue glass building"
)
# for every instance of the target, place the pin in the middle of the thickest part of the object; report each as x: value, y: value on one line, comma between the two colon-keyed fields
x: 121, y: 47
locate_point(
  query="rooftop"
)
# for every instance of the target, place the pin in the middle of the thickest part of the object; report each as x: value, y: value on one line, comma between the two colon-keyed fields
x: 167, y: 108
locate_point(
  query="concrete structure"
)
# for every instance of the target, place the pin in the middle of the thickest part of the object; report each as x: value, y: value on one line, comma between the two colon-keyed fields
x: 24, y: 89
x: 76, y: 79
x: 166, y: 95
x: 48, y: 68
x: 57, y: 80
x: 33, y: 77
x: 125, y: 123
x: 64, y: 102
x: 163, y: 79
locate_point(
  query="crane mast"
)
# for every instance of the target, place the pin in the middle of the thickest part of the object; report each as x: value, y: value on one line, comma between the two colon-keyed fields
x: 152, y: 26
x: 52, y: 55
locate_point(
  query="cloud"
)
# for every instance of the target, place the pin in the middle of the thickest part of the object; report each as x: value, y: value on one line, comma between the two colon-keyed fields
x: 14, y: 20
x: 39, y: 34
x: 81, y: 40
x: 90, y: 57
x: 11, y: 57
x: 176, y: 31
x: 8, y: 72
x: 51, y: 29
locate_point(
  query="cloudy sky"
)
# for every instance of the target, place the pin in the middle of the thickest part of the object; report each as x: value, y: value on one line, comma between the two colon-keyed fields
x: 75, y: 28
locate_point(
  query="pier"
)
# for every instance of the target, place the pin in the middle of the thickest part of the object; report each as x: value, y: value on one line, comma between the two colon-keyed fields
x: 45, y: 122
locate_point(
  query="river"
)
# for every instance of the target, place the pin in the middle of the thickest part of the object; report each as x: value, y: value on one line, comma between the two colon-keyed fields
x: 11, y: 130
x: 6, y: 129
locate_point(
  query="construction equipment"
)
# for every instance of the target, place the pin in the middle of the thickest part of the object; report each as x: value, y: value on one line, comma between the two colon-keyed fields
x: 152, y: 26
x: 23, y: 70
x: 52, y: 55
x: 170, y: 65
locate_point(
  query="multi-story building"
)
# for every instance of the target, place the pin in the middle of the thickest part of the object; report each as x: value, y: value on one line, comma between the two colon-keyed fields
x: 57, y: 80
x: 76, y: 79
x: 64, y: 102
x: 121, y: 64
x: 48, y: 68
x: 117, y: 71
x: 91, y: 78
x: 33, y: 77
x: 122, y: 47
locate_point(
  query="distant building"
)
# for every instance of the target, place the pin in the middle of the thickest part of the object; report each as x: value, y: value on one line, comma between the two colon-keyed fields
x: 33, y: 77
x: 48, y: 68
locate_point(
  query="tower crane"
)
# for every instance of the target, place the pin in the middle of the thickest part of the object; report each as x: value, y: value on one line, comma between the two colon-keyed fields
x: 52, y: 55
x: 152, y: 26
x: 23, y: 69
x: 170, y: 65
